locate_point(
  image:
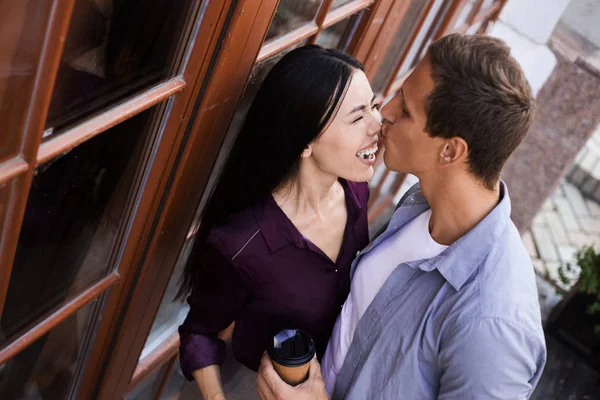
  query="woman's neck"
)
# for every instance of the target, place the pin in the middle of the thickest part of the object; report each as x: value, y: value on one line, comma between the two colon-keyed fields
x: 310, y: 194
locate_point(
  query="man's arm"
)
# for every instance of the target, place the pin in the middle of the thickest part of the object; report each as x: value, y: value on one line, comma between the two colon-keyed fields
x: 270, y: 386
x: 491, y: 359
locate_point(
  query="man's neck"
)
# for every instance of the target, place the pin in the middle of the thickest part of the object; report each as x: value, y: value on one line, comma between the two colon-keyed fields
x: 458, y: 204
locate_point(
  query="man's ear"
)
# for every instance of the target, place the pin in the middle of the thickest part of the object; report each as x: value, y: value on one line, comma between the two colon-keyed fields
x: 307, y: 152
x: 454, y: 150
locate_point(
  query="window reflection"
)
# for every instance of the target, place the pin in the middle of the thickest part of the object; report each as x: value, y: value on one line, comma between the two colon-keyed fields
x: 426, y: 34
x: 114, y: 48
x: 338, y: 35
x: 291, y: 15
x: 171, y: 313
x: 465, y: 13
x: 174, y: 384
x: 401, y: 40
x: 475, y: 28
x: 487, y: 4
x: 22, y: 30
x: 148, y: 388
x: 72, y: 219
x: 339, y: 3
x: 51, y: 367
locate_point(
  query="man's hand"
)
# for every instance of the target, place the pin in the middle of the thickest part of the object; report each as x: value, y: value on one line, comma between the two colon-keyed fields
x: 270, y: 386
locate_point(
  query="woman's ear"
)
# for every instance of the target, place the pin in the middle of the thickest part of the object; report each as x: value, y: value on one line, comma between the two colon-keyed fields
x: 307, y: 152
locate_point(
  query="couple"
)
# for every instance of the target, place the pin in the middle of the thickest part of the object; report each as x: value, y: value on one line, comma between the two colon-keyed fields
x: 442, y: 304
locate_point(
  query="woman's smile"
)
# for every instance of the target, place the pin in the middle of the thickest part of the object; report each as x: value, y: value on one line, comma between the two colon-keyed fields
x: 367, y: 154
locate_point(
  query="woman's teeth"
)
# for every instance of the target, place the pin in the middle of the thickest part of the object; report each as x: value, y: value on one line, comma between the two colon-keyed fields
x: 367, y: 154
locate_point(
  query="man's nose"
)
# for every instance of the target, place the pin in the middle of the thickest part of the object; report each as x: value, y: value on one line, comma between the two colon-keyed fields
x: 386, y: 112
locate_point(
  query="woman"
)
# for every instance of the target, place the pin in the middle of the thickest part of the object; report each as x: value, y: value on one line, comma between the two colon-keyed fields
x: 286, y: 218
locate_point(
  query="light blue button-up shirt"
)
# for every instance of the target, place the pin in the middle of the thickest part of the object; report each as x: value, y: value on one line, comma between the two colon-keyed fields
x: 463, y: 325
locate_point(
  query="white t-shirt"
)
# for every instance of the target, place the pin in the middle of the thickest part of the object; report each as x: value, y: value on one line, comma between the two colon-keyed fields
x: 411, y: 243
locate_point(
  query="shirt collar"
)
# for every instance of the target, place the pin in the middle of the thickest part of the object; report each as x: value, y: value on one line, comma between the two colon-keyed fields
x: 458, y: 262
x: 279, y: 232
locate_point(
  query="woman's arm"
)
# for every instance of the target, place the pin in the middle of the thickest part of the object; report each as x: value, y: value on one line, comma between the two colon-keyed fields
x: 215, y: 303
x: 209, y: 382
x: 209, y: 378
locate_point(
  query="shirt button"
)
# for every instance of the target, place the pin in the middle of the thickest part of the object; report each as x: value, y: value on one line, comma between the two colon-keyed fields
x: 336, y: 270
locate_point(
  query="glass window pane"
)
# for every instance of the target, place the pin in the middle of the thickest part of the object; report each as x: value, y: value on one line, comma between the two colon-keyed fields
x: 114, y: 48
x: 22, y: 29
x: 425, y: 36
x: 147, y: 389
x: 171, y: 313
x: 487, y: 4
x: 338, y: 3
x: 50, y: 368
x: 401, y: 38
x: 474, y: 28
x: 465, y: 13
x: 174, y: 384
x: 291, y: 15
x: 75, y: 210
x: 337, y: 36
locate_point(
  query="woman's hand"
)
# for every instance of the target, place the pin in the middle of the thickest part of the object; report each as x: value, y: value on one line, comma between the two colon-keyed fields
x: 270, y: 386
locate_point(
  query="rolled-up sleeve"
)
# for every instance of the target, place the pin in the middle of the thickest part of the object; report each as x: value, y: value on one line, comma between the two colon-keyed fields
x: 491, y: 359
x: 214, y: 304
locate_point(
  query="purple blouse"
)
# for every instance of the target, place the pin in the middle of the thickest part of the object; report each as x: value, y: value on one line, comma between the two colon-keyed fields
x: 259, y: 271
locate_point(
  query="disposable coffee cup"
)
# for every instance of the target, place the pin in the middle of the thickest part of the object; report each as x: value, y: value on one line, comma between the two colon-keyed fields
x: 291, y: 351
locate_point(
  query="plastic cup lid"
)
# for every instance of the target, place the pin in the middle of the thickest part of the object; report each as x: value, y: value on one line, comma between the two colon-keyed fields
x: 291, y: 347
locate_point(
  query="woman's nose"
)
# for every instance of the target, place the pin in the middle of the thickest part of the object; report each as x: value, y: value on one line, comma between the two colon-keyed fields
x: 374, y: 126
x: 375, y: 122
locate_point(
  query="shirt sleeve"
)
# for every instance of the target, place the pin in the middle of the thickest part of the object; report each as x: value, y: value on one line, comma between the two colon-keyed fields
x: 491, y: 359
x: 214, y: 304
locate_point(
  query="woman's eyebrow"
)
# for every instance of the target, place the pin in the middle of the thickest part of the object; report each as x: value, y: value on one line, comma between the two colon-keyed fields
x: 362, y: 106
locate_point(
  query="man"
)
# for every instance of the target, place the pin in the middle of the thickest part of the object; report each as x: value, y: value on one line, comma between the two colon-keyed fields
x: 443, y: 304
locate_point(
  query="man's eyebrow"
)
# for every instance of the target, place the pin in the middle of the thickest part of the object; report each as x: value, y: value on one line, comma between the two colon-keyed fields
x: 362, y: 106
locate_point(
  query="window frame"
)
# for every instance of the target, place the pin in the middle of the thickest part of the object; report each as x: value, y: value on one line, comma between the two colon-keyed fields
x: 16, y: 173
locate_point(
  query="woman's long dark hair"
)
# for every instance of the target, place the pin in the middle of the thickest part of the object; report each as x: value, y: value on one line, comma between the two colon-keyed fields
x: 294, y: 104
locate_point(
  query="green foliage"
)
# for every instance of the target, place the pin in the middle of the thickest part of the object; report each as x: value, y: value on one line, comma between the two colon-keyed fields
x: 589, y: 279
